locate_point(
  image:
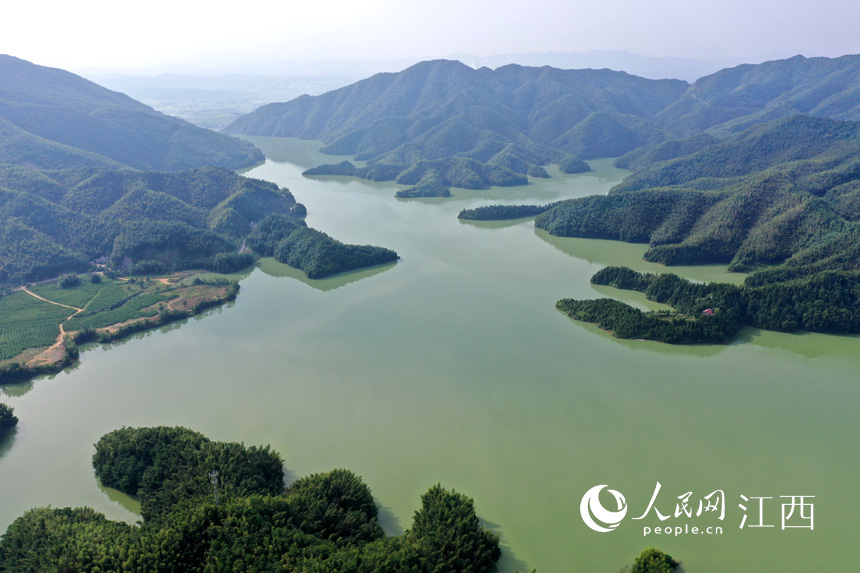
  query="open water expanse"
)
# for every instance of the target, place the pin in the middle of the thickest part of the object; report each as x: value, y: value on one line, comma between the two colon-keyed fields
x: 453, y: 366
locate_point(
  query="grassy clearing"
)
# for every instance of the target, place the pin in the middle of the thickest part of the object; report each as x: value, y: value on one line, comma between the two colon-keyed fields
x: 135, y: 307
x: 77, y: 296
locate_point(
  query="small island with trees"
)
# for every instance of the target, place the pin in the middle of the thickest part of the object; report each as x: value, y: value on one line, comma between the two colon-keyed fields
x: 219, y: 506
x: 502, y: 212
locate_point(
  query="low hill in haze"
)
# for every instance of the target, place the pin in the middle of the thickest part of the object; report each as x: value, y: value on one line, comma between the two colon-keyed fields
x: 734, y: 99
x: 50, y: 119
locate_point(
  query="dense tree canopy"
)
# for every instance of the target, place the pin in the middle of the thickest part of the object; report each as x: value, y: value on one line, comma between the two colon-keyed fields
x: 827, y: 301
x: 775, y: 193
x: 58, y: 221
x: 652, y: 560
x: 324, y: 522
x: 519, y: 118
x: 313, y: 251
x: 8, y: 420
x: 502, y: 212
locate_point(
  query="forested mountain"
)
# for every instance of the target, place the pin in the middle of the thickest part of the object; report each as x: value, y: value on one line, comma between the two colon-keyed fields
x: 52, y: 222
x: 782, y: 198
x: 52, y: 119
x: 445, y: 107
x: 736, y: 98
x: 770, y: 194
x: 58, y: 221
x: 509, y: 122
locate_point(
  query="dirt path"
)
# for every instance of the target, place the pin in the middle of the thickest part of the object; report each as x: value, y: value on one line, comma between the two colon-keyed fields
x: 55, y: 351
x: 31, y: 293
x: 51, y: 354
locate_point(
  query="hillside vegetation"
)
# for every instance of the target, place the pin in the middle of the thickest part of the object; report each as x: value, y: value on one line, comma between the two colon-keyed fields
x: 53, y: 119
x: 410, y: 126
x: 500, y: 125
x: 736, y: 98
x: 782, y: 192
x: 93, y: 181
x: 214, y: 506
x: 90, y: 176
x: 137, y: 223
x: 828, y: 301
x: 52, y: 222
x: 781, y: 199
x: 316, y: 253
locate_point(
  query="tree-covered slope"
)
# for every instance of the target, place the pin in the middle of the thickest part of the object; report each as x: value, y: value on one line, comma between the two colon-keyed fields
x: 214, y: 506
x: 770, y: 194
x: 312, y: 251
x: 58, y: 221
x: 53, y: 222
x: 51, y: 119
x: 736, y: 98
x: 513, y: 118
x: 827, y: 301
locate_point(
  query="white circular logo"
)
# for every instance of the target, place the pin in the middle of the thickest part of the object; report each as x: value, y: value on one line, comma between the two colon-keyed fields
x: 590, y: 506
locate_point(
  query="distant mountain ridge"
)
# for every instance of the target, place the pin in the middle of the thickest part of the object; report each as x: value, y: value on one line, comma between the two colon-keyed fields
x: 50, y: 118
x: 734, y: 99
x: 680, y: 68
x: 522, y: 100
x: 515, y: 119
x: 511, y: 118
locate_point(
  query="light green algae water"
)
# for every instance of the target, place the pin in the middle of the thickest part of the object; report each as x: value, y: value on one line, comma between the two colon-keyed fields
x: 453, y: 366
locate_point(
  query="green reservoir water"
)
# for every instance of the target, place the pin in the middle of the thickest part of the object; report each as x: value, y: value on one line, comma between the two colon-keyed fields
x: 453, y: 366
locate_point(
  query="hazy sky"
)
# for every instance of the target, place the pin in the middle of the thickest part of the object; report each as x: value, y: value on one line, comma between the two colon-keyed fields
x: 112, y: 33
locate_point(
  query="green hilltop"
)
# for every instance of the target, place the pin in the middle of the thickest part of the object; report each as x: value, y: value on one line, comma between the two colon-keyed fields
x: 441, y: 124
x: 496, y: 126
x: 93, y: 181
x: 734, y: 99
x: 87, y: 174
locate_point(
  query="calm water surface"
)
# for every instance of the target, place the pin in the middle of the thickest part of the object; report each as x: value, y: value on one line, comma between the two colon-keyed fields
x: 453, y: 366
